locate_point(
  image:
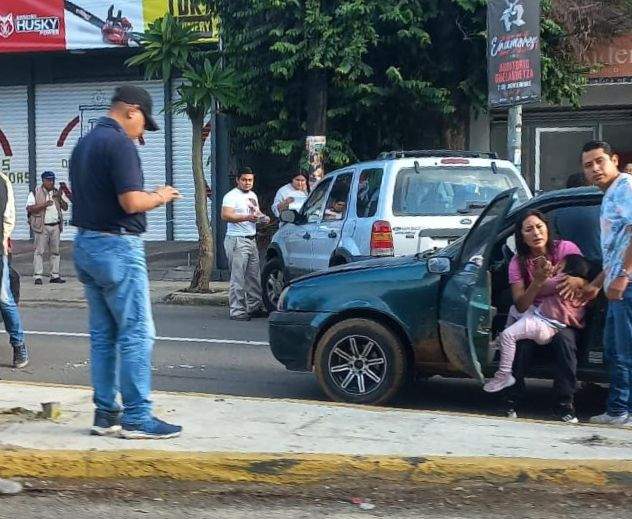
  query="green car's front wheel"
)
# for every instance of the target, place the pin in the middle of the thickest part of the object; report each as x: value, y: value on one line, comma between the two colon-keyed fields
x: 360, y: 361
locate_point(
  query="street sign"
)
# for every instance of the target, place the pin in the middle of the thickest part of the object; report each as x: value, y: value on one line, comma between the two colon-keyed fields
x: 513, y: 52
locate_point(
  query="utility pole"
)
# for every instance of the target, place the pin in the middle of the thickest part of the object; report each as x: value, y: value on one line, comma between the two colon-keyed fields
x: 514, y: 136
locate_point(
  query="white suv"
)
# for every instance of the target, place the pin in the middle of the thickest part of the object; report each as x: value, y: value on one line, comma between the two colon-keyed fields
x: 403, y: 203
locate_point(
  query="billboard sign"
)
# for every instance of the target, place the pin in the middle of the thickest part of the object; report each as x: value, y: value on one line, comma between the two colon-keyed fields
x: 513, y: 52
x: 612, y: 61
x: 58, y: 25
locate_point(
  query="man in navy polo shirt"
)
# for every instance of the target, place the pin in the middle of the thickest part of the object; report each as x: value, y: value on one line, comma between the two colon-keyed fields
x: 109, y: 205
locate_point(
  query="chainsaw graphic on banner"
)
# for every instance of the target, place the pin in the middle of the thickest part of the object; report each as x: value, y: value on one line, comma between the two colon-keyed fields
x: 116, y: 30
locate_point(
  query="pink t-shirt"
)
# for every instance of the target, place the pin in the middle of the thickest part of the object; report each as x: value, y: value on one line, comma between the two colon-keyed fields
x: 570, y: 313
x: 561, y: 249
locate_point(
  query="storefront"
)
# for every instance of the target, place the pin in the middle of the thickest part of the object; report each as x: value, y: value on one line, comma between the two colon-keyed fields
x: 552, y: 136
x: 52, y: 95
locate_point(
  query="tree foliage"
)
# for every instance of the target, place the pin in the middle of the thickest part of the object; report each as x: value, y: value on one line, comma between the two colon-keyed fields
x: 399, y: 73
x: 170, y: 49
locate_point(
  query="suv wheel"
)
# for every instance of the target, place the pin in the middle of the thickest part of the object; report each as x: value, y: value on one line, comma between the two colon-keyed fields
x: 272, y: 283
x: 360, y: 361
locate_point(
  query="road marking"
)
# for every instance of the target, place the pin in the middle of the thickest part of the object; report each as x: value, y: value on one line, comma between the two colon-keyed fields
x: 163, y: 339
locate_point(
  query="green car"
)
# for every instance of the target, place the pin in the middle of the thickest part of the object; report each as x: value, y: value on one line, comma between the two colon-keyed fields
x: 364, y: 328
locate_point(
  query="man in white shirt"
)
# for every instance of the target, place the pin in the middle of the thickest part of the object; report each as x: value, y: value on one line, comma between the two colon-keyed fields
x: 45, y: 208
x: 240, y: 209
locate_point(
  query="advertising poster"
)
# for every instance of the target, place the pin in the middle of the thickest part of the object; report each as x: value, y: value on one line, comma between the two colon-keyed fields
x: 513, y: 52
x: 612, y: 62
x: 315, y: 145
x: 32, y: 25
x: 191, y: 13
x: 54, y: 25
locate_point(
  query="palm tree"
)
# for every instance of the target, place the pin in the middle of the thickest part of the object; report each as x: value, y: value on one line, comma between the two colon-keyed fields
x: 170, y: 49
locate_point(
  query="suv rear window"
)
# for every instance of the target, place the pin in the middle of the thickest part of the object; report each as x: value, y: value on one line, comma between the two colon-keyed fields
x: 442, y: 191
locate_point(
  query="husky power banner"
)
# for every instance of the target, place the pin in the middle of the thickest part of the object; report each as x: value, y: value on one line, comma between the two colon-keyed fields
x: 513, y: 52
x: 57, y: 25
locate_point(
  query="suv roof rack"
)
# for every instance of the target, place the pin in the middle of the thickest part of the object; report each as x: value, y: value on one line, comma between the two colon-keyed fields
x: 404, y: 154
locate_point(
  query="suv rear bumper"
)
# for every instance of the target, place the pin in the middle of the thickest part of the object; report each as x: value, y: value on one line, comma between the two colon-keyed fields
x: 292, y: 336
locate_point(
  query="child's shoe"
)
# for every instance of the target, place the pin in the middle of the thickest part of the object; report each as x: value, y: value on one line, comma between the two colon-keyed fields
x: 500, y: 381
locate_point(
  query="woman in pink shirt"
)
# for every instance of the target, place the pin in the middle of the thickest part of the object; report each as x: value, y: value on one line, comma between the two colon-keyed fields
x: 540, y: 323
x: 534, y: 276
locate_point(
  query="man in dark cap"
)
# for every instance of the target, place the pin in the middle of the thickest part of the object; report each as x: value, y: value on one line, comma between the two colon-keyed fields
x: 45, y: 207
x: 109, y: 205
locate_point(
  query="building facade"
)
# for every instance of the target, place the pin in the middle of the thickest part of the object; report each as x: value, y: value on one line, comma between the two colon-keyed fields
x: 552, y: 136
x: 47, y: 102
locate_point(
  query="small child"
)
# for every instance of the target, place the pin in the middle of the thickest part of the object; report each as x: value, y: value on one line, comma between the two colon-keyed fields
x: 539, y: 324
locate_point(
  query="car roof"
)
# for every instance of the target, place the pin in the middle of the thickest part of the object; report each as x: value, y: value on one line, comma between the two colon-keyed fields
x: 550, y: 199
x: 426, y: 161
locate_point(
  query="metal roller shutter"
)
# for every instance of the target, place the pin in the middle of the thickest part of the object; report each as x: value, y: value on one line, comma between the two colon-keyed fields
x: 14, y: 155
x: 184, y: 210
x: 65, y: 112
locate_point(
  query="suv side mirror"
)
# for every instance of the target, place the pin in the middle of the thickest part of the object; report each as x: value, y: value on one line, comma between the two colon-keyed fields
x: 439, y: 265
x: 289, y: 216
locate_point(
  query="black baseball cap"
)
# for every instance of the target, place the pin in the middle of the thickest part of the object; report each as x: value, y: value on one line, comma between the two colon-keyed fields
x: 134, y: 95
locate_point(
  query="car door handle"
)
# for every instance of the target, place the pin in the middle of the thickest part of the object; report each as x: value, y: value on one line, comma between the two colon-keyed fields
x: 306, y: 236
x: 333, y: 234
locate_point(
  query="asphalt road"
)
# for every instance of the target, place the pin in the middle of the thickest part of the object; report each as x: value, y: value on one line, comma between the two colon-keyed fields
x: 359, y: 499
x: 200, y: 350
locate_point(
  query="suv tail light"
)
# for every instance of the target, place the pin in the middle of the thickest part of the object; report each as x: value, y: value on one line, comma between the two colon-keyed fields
x: 381, y: 239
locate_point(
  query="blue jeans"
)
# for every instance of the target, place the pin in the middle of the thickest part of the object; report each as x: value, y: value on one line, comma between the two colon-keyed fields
x: 618, y: 354
x: 114, y: 273
x: 8, y: 308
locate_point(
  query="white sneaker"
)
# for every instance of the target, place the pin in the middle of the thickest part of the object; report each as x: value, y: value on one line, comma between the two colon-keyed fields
x: 608, y: 419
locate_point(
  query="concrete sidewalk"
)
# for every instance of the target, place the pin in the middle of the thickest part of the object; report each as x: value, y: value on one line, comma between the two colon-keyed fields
x: 170, y: 266
x: 281, y: 441
x: 71, y: 293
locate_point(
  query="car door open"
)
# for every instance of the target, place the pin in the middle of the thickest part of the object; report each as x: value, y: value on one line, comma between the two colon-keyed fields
x: 465, y: 310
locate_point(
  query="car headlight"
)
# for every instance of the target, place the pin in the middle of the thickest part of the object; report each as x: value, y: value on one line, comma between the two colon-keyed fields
x: 281, y: 302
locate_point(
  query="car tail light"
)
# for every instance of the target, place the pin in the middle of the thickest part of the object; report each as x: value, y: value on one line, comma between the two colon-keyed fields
x: 455, y: 161
x: 381, y: 239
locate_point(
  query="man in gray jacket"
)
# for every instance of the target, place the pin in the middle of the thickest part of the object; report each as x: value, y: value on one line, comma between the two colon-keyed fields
x: 45, y: 208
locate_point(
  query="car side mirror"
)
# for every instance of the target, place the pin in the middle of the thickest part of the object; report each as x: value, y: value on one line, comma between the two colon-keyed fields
x: 439, y: 265
x: 289, y: 216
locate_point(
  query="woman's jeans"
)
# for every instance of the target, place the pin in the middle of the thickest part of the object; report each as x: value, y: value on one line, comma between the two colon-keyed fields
x: 113, y: 270
x: 617, y: 345
x: 9, y: 309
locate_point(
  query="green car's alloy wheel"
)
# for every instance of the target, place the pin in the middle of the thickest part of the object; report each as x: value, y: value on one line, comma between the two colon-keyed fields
x: 272, y: 281
x: 360, y: 361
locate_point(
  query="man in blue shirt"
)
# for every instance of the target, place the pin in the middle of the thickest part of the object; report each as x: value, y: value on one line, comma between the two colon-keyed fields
x: 601, y: 169
x: 109, y: 205
x: 580, y: 224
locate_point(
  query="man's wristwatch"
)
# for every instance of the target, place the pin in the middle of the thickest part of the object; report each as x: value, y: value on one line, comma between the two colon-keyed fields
x: 625, y: 273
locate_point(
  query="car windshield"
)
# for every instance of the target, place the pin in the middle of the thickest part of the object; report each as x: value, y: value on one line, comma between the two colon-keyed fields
x: 442, y: 191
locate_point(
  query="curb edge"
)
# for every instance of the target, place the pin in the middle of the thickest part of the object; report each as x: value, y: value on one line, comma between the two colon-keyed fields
x: 299, y: 469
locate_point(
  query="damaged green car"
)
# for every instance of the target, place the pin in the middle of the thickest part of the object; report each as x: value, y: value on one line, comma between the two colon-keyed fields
x: 364, y: 328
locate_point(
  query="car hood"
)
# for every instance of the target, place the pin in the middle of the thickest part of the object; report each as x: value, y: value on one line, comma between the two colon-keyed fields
x: 375, y: 263
x: 387, y: 285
